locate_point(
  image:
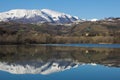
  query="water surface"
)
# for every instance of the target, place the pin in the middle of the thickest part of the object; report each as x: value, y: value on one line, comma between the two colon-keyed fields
x: 59, y: 62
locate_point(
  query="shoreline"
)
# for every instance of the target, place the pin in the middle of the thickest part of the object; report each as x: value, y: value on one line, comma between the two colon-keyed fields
x: 84, y: 45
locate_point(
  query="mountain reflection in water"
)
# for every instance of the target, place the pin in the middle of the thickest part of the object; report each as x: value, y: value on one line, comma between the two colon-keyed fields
x: 36, y: 59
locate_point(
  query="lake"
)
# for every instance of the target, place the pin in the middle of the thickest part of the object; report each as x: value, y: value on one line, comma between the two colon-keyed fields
x: 60, y: 62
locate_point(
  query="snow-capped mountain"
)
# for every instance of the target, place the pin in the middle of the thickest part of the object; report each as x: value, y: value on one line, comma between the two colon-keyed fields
x: 94, y: 20
x: 36, y: 16
x: 44, y: 68
x: 38, y: 68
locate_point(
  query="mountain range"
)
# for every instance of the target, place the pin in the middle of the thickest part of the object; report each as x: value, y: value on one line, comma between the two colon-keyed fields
x: 20, y: 26
x: 36, y: 16
x: 38, y: 67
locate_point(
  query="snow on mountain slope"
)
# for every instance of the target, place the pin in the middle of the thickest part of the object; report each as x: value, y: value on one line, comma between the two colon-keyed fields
x: 44, y: 68
x: 36, y: 16
x: 94, y: 20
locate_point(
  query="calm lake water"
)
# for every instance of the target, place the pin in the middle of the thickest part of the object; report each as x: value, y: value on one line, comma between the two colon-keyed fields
x: 60, y: 62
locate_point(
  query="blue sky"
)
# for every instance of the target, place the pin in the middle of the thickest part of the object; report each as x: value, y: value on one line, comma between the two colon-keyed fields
x: 82, y: 8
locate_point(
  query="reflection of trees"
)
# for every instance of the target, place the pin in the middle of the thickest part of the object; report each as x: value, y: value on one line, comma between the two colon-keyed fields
x: 42, y: 53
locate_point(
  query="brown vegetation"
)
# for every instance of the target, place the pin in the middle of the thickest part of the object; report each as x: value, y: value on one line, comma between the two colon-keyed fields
x: 84, y: 32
